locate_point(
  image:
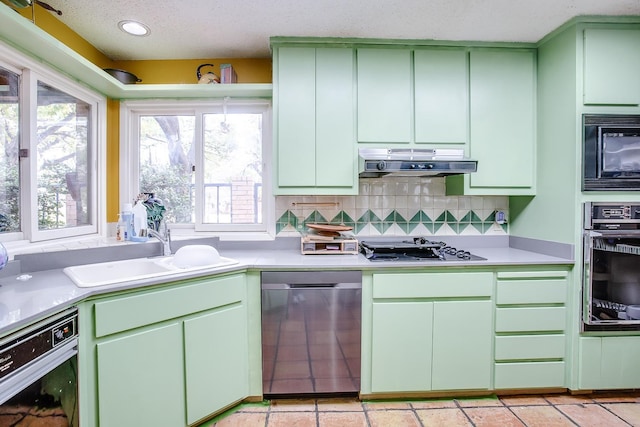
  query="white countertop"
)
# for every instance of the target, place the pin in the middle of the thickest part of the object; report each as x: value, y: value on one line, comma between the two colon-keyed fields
x: 46, y: 292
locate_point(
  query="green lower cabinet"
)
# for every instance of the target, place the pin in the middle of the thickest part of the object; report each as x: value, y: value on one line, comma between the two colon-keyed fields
x: 529, y: 375
x: 171, y: 355
x: 461, y: 349
x: 140, y: 379
x: 423, y: 346
x: 609, y: 363
x: 216, y: 363
x: 530, y: 324
x: 401, y: 346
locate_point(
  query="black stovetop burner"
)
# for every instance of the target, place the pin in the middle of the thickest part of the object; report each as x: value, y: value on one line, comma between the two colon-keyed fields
x: 416, y: 249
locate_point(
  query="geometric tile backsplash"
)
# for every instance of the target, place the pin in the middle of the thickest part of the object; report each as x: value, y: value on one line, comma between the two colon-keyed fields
x: 395, y: 207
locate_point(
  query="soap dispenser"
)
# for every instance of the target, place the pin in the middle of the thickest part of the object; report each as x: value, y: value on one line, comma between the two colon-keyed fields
x: 140, y: 219
x: 127, y: 218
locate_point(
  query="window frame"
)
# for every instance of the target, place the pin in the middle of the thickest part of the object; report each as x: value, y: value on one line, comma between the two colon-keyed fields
x: 30, y: 73
x: 130, y: 113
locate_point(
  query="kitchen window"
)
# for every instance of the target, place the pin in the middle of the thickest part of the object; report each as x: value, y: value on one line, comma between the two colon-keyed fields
x: 204, y: 160
x: 49, y: 168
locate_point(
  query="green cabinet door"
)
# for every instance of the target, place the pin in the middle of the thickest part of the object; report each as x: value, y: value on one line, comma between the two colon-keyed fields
x: 295, y: 94
x: 401, y: 346
x: 502, y: 124
x: 441, y: 96
x: 384, y: 95
x: 612, y: 66
x: 462, y: 350
x: 609, y: 362
x: 336, y: 151
x: 216, y: 361
x: 315, y: 121
x: 141, y: 379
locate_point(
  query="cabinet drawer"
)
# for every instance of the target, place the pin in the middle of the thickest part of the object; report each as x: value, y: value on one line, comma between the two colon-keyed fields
x: 531, y: 291
x: 432, y: 285
x: 529, y: 374
x: 527, y: 347
x: 134, y: 311
x: 530, y: 319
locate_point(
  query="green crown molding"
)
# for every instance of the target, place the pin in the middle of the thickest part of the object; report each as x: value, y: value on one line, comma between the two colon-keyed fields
x: 387, y: 43
x: 586, y: 20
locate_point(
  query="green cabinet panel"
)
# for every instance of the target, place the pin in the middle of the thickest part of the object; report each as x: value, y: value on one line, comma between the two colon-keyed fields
x: 432, y: 285
x: 609, y: 362
x: 528, y: 347
x: 531, y: 291
x: 166, y: 304
x: 315, y: 121
x: 335, y: 119
x: 441, y: 96
x: 529, y: 375
x: 608, y: 80
x: 140, y: 379
x: 384, y: 95
x: 417, y: 340
x: 401, y: 346
x: 295, y: 94
x: 461, y: 350
x: 166, y: 355
x: 216, y: 363
x: 502, y: 121
x: 530, y: 319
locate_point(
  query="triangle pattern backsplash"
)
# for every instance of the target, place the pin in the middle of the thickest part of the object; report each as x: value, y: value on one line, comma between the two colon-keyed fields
x: 395, y: 207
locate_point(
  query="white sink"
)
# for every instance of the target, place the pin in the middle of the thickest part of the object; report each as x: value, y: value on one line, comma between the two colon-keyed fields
x: 109, y: 273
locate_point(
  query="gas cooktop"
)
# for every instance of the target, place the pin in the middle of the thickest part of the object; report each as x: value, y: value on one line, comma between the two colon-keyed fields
x: 414, y: 249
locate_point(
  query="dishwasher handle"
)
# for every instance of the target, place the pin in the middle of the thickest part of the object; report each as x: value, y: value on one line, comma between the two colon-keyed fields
x: 310, y: 286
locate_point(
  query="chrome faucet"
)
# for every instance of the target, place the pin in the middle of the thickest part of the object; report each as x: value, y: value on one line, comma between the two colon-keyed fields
x: 165, y: 240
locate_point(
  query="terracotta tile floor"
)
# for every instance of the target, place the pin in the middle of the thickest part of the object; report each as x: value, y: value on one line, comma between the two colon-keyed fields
x: 599, y: 409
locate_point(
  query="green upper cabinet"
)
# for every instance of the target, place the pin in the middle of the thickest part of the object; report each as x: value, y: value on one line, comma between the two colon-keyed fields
x: 502, y: 104
x: 315, y: 120
x: 408, y: 96
x: 441, y: 96
x: 612, y: 66
x: 384, y: 95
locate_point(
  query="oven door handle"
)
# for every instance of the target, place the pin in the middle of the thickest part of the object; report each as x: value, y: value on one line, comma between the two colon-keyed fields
x: 27, y: 375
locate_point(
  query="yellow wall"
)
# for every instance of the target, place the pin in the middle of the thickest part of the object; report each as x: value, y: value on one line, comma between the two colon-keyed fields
x: 249, y: 70
x: 252, y: 70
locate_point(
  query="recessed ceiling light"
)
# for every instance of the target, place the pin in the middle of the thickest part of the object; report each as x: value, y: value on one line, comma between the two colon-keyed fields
x: 134, y: 28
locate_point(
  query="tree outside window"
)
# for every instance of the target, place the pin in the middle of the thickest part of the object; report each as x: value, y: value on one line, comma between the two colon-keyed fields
x: 211, y: 159
x: 10, y: 144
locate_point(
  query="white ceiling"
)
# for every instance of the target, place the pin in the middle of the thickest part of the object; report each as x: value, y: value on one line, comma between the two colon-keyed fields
x: 194, y: 29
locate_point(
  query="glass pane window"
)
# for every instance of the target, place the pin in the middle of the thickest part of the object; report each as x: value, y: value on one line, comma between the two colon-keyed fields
x: 204, y: 160
x: 63, y: 174
x: 10, y: 145
x: 232, y: 169
x: 167, y: 163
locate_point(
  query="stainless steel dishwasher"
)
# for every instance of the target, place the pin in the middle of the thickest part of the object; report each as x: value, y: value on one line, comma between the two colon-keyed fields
x: 311, y: 332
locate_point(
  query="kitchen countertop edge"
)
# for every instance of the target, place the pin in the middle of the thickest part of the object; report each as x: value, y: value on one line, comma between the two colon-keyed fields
x: 50, y: 291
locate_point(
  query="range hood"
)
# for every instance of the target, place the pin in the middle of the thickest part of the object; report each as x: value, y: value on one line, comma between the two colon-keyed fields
x: 414, y: 162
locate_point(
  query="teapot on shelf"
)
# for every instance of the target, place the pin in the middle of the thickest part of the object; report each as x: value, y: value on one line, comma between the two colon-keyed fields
x: 208, y: 77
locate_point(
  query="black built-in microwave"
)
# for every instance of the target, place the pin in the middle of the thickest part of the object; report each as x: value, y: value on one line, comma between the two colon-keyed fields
x: 611, y: 152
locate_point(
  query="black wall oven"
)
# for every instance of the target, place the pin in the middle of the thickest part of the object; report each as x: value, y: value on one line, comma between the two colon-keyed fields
x: 611, y: 152
x: 611, y: 274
